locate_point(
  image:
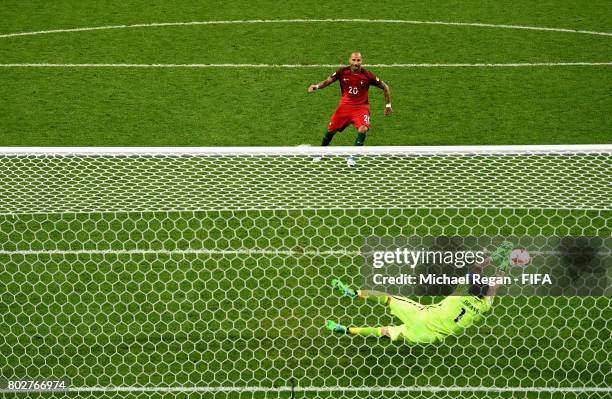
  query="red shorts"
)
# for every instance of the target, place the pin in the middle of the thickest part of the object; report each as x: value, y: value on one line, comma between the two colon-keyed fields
x: 358, y: 115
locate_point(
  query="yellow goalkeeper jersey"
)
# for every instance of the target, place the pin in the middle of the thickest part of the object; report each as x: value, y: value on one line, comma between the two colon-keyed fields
x: 427, y: 324
x: 454, y: 314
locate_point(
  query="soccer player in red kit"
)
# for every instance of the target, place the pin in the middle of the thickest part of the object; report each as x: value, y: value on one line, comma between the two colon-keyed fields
x: 354, y: 106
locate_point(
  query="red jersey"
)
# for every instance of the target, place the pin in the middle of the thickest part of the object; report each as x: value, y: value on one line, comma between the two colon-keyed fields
x: 354, y: 86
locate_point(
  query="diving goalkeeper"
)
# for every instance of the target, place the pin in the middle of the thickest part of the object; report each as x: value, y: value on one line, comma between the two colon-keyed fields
x: 429, y: 324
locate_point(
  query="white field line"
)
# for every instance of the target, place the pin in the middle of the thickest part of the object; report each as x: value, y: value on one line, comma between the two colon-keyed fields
x: 290, y: 21
x: 63, y: 213
x: 293, y: 66
x: 238, y: 251
x: 361, y: 389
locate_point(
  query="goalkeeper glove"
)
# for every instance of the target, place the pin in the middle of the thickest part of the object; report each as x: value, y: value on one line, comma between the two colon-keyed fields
x: 501, y: 256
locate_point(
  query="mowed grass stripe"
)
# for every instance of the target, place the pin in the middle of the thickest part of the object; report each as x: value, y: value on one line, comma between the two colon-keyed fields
x: 181, y: 107
x: 24, y: 16
x: 288, y: 66
x: 209, y: 44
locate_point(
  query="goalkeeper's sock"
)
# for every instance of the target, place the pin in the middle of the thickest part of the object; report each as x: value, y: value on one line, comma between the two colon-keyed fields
x: 372, y: 331
x: 360, y: 139
x: 327, y: 138
x: 379, y: 299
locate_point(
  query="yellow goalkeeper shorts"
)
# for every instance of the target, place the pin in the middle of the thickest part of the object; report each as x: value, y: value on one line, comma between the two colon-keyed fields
x: 413, y: 329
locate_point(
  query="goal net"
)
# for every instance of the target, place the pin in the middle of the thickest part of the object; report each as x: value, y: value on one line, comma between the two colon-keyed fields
x: 206, y: 272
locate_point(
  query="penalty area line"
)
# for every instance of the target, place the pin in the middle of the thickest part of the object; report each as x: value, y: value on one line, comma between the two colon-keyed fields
x: 297, y: 251
x: 302, y: 21
x: 169, y: 252
x: 291, y: 66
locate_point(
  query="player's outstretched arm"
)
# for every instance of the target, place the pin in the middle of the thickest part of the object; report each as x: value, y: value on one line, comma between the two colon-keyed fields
x: 320, y: 85
x: 500, y: 258
x: 478, y: 268
x: 387, y: 93
x: 493, y: 290
x: 501, y: 271
x: 374, y: 296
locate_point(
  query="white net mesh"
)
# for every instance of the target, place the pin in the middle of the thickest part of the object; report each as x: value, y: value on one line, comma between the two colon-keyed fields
x: 188, y: 274
x: 156, y: 182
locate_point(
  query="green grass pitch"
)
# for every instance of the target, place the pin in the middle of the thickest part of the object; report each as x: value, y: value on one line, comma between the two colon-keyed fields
x: 240, y: 106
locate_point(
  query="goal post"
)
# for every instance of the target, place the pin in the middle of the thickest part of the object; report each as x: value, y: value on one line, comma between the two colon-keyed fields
x: 177, y: 271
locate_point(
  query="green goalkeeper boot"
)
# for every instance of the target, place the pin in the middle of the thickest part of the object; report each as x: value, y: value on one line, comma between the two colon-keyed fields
x: 344, y: 289
x: 501, y: 256
x: 335, y: 327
